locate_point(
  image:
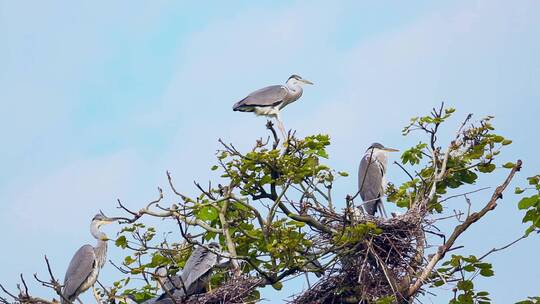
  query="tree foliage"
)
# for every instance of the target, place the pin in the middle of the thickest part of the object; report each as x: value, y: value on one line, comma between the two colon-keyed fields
x: 274, y: 215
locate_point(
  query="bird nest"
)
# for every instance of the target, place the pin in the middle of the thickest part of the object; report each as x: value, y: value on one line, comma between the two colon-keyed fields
x: 235, y: 291
x: 377, y: 266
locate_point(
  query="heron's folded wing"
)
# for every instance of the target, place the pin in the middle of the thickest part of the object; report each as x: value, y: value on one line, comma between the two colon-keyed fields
x: 199, y: 263
x: 265, y: 97
x: 79, y: 269
x: 369, y: 179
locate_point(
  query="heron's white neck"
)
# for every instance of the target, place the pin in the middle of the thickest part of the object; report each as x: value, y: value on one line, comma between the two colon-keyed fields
x: 98, y: 235
x: 380, y: 156
x: 101, y: 247
x: 294, y: 85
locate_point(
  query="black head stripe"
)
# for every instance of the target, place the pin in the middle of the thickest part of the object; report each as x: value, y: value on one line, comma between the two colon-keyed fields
x: 295, y: 77
x: 376, y: 146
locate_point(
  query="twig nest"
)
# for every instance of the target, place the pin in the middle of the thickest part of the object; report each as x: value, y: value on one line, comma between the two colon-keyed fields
x: 376, y: 265
x: 235, y: 291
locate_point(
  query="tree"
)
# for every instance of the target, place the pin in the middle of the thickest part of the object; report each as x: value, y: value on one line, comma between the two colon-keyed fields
x: 275, y: 216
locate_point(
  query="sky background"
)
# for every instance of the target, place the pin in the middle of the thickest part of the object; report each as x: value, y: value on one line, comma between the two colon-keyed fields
x: 100, y: 98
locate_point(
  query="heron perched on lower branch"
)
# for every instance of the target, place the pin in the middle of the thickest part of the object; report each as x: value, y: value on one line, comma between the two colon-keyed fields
x: 269, y: 101
x: 83, y: 270
x: 371, y: 177
x: 195, y: 276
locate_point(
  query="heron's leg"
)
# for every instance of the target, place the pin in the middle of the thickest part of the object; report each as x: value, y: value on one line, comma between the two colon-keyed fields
x: 281, y: 128
x: 382, y: 210
x: 96, y: 295
x: 307, y: 279
x: 79, y: 300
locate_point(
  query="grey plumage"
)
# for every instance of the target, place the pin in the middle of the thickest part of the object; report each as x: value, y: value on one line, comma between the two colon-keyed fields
x: 83, y: 270
x: 371, y: 173
x: 195, y: 276
x: 275, y: 95
x: 197, y: 271
x: 269, y: 101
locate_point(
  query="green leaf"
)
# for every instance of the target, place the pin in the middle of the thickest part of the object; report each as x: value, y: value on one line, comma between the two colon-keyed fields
x: 533, y: 180
x: 509, y: 165
x: 158, y: 260
x: 121, y: 242
x: 465, y: 285
x: 277, y: 285
x: 469, y: 268
x: 527, y: 202
x: 342, y: 173
x: 208, y: 213
x: 486, y: 272
x: 214, y: 168
x: 482, y: 293
x: 128, y: 260
x: 519, y: 190
x: 486, y: 168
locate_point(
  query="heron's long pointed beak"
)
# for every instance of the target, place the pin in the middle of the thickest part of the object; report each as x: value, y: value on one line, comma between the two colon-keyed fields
x: 306, y: 81
x: 391, y: 150
x: 113, y: 219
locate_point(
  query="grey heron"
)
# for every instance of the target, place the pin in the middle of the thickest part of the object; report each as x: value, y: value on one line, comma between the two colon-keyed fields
x: 85, y: 265
x: 269, y: 101
x: 371, y: 177
x: 195, y: 275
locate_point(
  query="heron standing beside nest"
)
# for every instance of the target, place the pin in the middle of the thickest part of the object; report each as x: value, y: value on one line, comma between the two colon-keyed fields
x: 371, y: 177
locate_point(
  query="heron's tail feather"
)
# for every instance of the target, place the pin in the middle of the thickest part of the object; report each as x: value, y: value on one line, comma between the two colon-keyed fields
x: 371, y: 207
x: 242, y: 107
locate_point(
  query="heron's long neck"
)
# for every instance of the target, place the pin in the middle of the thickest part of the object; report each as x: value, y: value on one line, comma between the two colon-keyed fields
x: 294, y: 87
x: 101, y: 247
x: 380, y: 158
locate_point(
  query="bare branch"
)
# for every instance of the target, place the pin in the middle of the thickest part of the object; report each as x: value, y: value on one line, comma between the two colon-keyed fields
x: 497, y: 194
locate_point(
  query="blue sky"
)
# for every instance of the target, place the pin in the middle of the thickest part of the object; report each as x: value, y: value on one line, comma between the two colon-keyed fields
x: 100, y: 98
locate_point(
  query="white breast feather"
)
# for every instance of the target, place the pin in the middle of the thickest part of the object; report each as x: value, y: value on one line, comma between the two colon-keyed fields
x: 266, y: 111
x: 89, y: 282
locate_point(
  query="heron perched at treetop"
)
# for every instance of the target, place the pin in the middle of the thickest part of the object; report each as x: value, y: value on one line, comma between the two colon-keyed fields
x: 269, y: 101
x: 85, y: 265
x: 371, y: 177
x: 195, y: 275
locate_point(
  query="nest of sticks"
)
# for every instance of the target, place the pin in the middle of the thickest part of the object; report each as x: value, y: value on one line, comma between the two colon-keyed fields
x: 235, y: 291
x: 378, y: 266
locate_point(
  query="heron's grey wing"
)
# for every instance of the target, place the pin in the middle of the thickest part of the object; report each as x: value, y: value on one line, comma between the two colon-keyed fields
x: 196, y: 255
x: 199, y: 263
x: 177, y: 297
x: 163, y: 299
x: 265, y: 97
x: 80, y: 267
x: 370, y: 179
